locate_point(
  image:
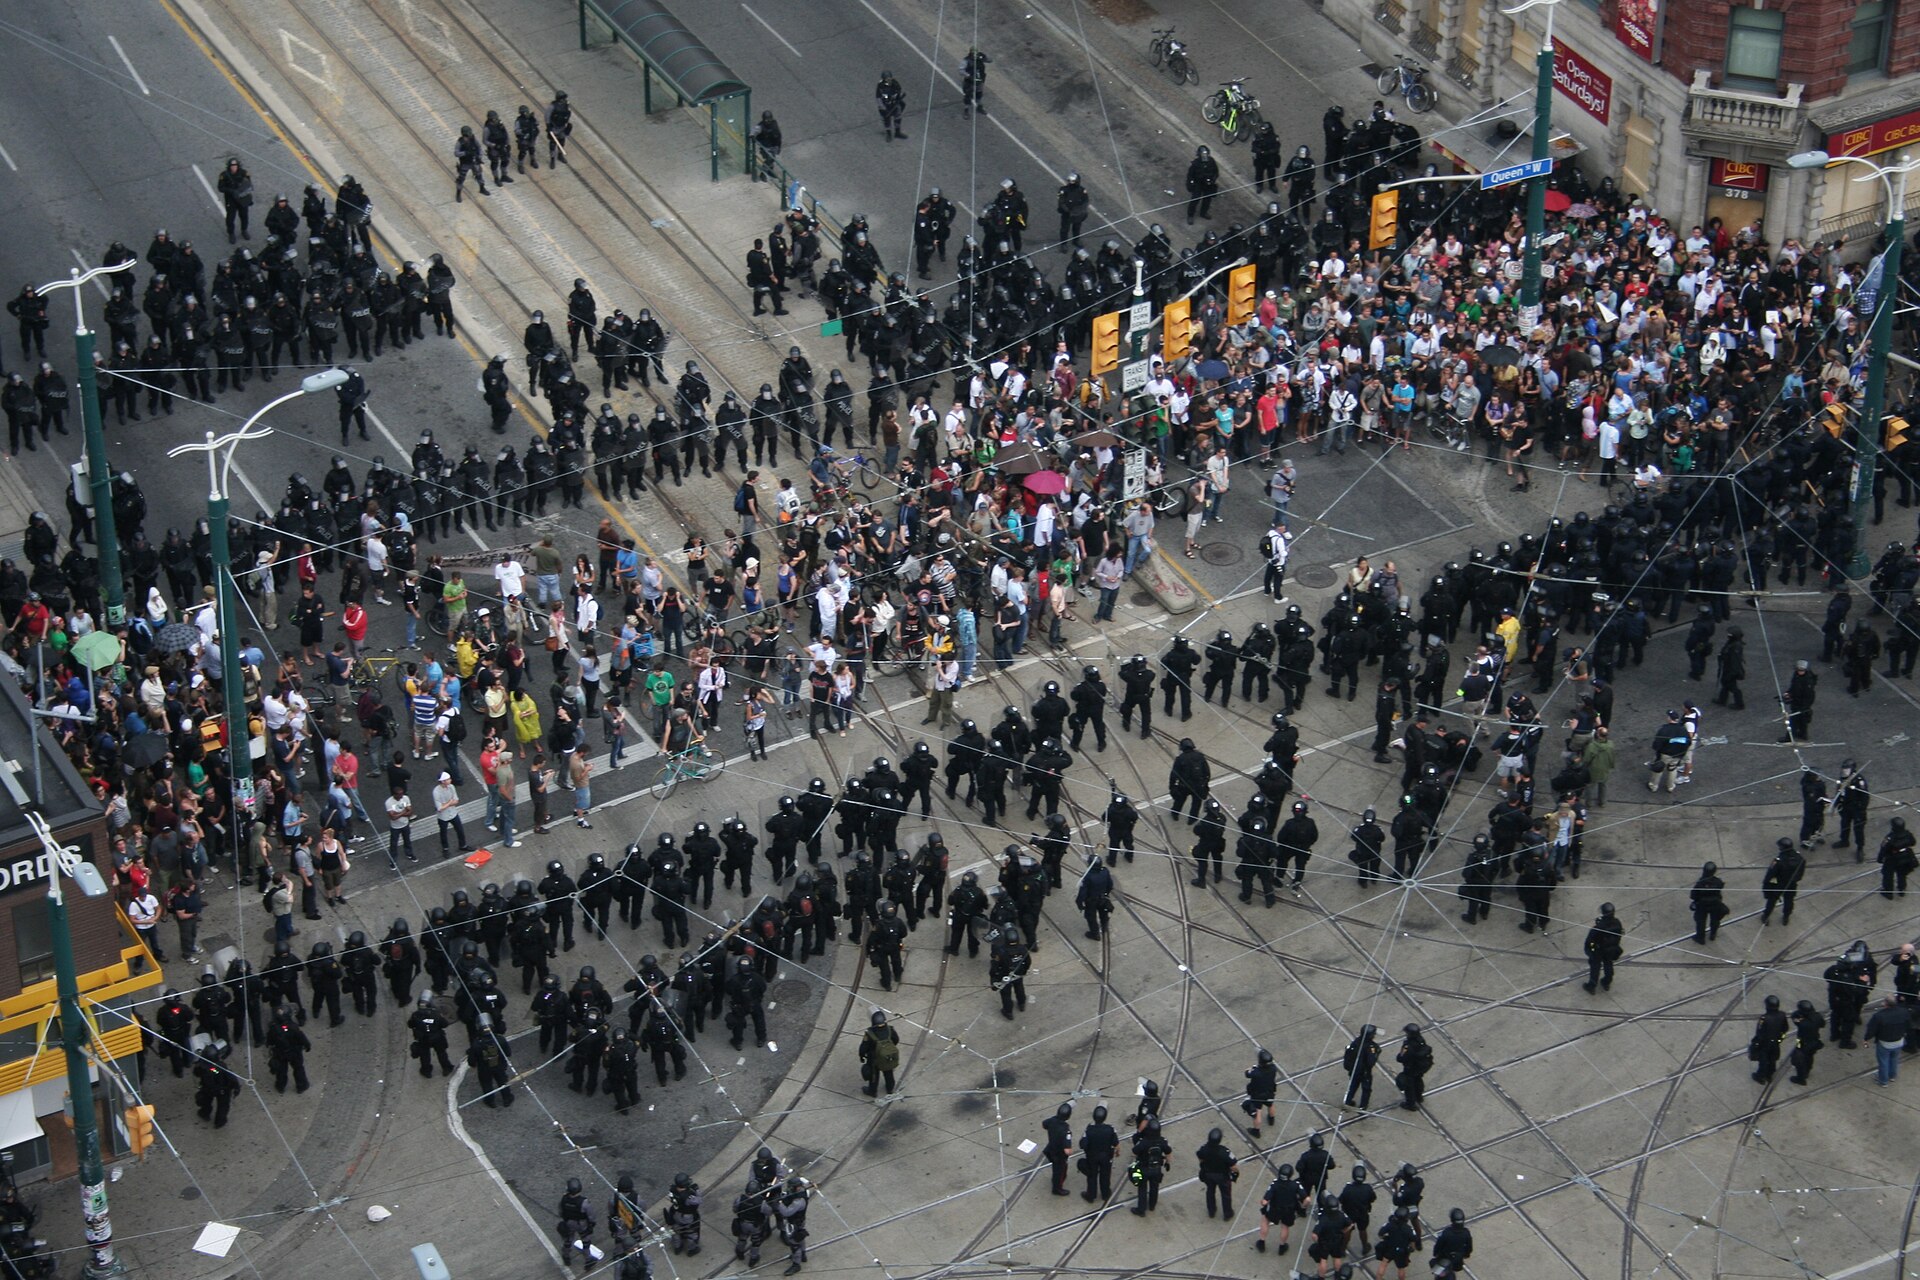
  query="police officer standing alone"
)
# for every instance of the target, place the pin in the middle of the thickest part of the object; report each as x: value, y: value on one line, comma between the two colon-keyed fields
x: 1602, y: 948
x: 1219, y: 1170
x: 892, y: 101
x: 1073, y: 204
x: 1203, y: 183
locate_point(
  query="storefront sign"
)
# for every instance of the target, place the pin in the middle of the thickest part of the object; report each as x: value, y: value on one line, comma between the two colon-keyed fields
x: 1872, y: 139
x: 1585, y: 83
x: 1738, y: 178
x: 1637, y: 24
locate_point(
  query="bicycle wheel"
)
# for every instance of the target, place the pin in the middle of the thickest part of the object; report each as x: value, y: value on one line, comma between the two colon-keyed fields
x: 716, y: 764
x: 437, y: 618
x: 1184, y: 69
x: 1215, y: 107
x: 1388, y: 81
x: 669, y: 780
x: 1243, y: 126
x: 1157, y: 51
x: 870, y: 476
x: 1420, y: 97
x: 1170, y: 502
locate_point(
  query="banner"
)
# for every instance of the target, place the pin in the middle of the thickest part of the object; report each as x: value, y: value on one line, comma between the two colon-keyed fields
x: 1635, y: 22
x: 1585, y: 83
x: 1872, y: 139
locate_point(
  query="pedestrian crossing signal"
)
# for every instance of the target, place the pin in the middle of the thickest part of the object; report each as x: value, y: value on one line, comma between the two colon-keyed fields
x: 1240, y: 286
x: 1383, y: 231
x: 1106, y: 343
x: 1176, y: 330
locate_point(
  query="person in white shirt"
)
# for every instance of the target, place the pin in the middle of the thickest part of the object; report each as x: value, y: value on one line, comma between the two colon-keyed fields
x: 510, y: 575
x: 586, y: 613
x: 143, y: 912
x: 1607, y: 435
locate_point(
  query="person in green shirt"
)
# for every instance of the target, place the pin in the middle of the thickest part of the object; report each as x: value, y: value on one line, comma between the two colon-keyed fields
x: 1598, y: 757
x: 454, y: 596
x: 659, y: 686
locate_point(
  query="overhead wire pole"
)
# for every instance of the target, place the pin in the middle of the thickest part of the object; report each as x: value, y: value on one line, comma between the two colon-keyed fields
x: 1867, y: 424
x: 233, y: 689
x: 75, y: 1034
x: 1537, y: 187
x: 106, y: 537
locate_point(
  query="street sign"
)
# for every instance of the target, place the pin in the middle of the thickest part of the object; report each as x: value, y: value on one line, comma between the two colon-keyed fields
x: 1133, y: 375
x: 1516, y: 173
x: 1133, y: 483
x: 1139, y: 315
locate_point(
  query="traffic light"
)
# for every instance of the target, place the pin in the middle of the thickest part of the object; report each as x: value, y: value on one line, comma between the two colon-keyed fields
x: 1106, y: 343
x: 1176, y: 330
x: 139, y: 1128
x: 1835, y: 422
x: 1897, y: 430
x: 1240, y: 288
x: 1383, y: 230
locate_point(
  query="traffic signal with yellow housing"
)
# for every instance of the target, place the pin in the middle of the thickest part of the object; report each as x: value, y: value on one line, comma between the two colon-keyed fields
x: 1897, y: 432
x: 1240, y: 287
x: 1106, y: 343
x: 1176, y: 330
x: 1383, y: 230
x: 139, y: 1128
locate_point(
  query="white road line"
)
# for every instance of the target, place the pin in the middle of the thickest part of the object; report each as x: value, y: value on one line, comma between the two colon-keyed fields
x: 212, y: 195
x: 9, y: 159
x: 85, y: 267
x: 460, y: 1131
x: 770, y: 30
x: 145, y: 92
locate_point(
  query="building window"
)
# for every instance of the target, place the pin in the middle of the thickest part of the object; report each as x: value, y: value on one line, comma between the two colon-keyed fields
x: 33, y: 941
x: 1867, y: 49
x: 1753, y: 47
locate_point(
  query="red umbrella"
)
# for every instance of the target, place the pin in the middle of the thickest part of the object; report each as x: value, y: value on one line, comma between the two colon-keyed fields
x: 1558, y: 202
x: 1046, y: 482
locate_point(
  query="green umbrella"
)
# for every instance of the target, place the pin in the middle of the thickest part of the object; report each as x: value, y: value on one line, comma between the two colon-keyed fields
x: 97, y: 649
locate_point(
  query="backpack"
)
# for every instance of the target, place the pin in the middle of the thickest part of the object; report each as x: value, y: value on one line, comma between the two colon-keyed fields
x: 456, y: 727
x: 266, y: 902
x: 740, y: 500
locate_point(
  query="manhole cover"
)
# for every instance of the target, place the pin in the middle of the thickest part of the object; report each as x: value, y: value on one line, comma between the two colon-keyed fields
x: 1144, y: 599
x: 189, y: 1193
x: 1222, y: 553
x: 788, y: 990
x: 1314, y: 576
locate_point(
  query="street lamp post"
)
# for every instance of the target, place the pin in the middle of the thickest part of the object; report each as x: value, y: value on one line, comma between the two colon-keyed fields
x: 1537, y: 187
x: 65, y: 860
x: 1867, y: 424
x: 233, y: 689
x: 99, y: 472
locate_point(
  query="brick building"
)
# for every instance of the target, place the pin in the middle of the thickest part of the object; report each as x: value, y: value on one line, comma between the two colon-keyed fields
x: 1696, y: 105
x: 114, y: 969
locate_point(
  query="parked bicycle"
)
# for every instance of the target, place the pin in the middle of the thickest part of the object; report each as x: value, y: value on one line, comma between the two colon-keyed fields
x: 1171, y: 53
x: 1409, y: 81
x: 1232, y: 108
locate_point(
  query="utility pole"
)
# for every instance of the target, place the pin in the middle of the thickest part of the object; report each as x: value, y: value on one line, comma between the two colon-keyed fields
x: 106, y: 538
x: 1537, y: 187
x: 66, y: 861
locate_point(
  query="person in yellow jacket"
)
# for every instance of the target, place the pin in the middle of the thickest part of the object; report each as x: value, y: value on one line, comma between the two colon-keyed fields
x: 1508, y: 629
x: 526, y: 717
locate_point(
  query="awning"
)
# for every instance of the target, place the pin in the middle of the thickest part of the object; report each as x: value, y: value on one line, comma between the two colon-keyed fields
x: 1471, y: 151
x: 18, y: 1124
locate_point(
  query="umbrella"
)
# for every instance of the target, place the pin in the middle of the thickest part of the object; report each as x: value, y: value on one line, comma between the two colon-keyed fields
x: 1046, y: 482
x: 1214, y: 369
x: 1095, y: 440
x: 1581, y: 210
x: 1500, y: 356
x: 1558, y: 202
x: 176, y: 637
x: 1018, y: 460
x: 143, y: 750
x: 97, y: 649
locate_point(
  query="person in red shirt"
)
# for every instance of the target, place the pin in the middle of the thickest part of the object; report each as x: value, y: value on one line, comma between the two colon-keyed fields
x: 354, y: 620
x: 35, y: 618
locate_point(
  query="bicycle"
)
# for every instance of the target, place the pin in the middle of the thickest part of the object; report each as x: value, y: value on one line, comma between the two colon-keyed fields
x: 1233, y: 109
x: 369, y: 671
x: 1408, y: 80
x: 1172, y: 54
x: 696, y: 764
x: 865, y: 469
